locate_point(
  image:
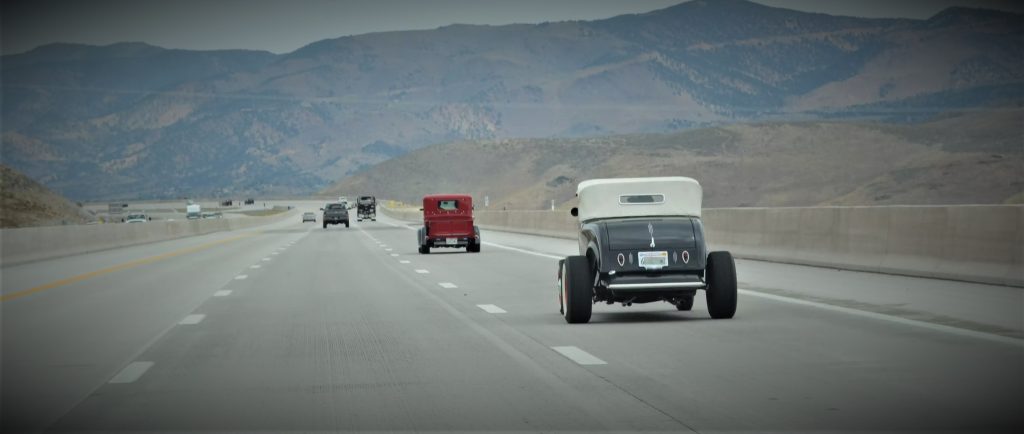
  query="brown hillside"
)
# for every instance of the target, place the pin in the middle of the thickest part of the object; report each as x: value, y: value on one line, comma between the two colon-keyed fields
x: 23, y: 202
x: 971, y: 159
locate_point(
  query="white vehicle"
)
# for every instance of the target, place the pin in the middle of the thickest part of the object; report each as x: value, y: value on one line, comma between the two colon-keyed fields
x: 193, y: 211
x: 344, y: 201
x: 137, y: 217
x: 642, y: 240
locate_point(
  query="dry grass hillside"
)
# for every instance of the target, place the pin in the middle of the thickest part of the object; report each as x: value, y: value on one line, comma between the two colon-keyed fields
x: 23, y: 202
x: 971, y: 159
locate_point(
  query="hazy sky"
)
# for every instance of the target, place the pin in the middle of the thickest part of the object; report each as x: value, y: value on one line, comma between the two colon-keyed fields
x: 283, y: 26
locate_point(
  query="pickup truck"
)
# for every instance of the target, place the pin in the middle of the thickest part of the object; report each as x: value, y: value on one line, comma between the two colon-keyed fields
x: 335, y: 214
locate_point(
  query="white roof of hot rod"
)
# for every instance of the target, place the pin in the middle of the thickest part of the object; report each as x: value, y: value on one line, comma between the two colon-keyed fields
x: 639, y: 197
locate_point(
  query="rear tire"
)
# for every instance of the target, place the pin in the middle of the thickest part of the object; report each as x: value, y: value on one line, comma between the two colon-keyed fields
x: 721, y: 292
x: 424, y: 250
x: 577, y: 290
x: 346, y: 224
x: 325, y: 225
x: 473, y: 247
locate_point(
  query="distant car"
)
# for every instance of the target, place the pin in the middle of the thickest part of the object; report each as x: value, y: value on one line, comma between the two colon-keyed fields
x: 137, y: 218
x: 250, y: 201
x: 335, y: 214
x: 308, y: 217
x: 642, y: 240
x: 448, y: 222
x: 212, y: 215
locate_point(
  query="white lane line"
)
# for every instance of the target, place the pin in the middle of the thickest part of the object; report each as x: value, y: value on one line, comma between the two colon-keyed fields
x: 254, y: 266
x: 265, y: 259
x: 192, y: 319
x: 490, y: 308
x: 132, y: 372
x: 528, y: 252
x: 388, y: 250
x: 447, y: 285
x: 403, y: 262
x: 241, y: 277
x: 890, y: 318
x: 422, y: 271
x: 273, y: 253
x: 394, y: 254
x: 579, y: 356
x: 222, y: 293
x: 401, y: 226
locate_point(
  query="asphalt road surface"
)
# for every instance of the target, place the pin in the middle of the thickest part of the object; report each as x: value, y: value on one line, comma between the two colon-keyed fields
x: 292, y: 327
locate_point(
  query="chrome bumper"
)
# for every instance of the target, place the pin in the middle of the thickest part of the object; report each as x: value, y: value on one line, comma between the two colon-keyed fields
x: 657, y: 285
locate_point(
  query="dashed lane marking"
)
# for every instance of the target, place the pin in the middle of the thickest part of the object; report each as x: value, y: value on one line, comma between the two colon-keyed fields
x: 447, y: 285
x: 222, y: 293
x: 422, y: 271
x: 241, y: 277
x: 132, y: 372
x: 579, y: 356
x: 192, y: 319
x: 490, y: 308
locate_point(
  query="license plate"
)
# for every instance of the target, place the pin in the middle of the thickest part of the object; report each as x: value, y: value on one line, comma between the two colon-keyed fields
x: 653, y: 260
x: 451, y: 241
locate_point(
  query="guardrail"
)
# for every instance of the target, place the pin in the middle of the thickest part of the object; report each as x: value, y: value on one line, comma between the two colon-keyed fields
x: 974, y: 243
x: 21, y: 245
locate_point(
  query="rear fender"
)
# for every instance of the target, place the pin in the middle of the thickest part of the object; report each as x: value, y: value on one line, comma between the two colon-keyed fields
x: 594, y: 258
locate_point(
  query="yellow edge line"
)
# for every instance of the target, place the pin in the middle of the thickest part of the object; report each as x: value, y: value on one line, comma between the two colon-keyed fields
x: 119, y: 267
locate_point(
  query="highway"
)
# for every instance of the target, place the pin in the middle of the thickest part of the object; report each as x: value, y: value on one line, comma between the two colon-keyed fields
x: 291, y: 327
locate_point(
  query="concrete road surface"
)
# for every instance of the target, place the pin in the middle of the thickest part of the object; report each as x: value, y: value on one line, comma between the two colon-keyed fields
x: 292, y: 327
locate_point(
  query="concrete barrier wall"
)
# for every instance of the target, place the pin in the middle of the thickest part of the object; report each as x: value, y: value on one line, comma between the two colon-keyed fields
x: 976, y: 243
x: 20, y: 245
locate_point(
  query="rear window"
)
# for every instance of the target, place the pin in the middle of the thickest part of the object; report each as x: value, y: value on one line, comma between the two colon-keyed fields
x: 636, y: 199
x: 335, y: 206
x: 448, y: 205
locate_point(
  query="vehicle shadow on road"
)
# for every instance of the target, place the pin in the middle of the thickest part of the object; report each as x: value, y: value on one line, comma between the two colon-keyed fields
x: 646, y: 316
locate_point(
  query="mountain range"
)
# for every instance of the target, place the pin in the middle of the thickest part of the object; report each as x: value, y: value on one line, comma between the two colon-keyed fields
x: 132, y: 120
